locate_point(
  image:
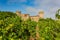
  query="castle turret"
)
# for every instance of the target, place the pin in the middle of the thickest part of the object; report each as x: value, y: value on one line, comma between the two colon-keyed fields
x: 27, y: 16
x: 18, y: 13
x: 41, y: 14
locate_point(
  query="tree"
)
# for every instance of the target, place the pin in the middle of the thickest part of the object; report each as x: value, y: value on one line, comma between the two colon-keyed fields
x: 57, y: 14
x: 12, y: 27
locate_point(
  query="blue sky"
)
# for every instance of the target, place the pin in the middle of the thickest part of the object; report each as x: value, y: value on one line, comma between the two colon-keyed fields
x: 31, y: 7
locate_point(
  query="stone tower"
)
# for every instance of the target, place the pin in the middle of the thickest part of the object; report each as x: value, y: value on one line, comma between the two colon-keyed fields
x: 18, y: 13
x: 41, y: 14
x: 27, y: 16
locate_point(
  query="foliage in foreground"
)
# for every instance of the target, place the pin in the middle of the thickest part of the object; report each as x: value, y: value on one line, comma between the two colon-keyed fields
x: 13, y: 28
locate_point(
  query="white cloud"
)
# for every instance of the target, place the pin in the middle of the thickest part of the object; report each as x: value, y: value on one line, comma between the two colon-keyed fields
x: 17, y: 0
x: 32, y: 10
x: 49, y: 6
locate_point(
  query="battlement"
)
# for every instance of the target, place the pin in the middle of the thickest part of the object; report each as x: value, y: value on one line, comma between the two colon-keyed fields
x: 33, y: 18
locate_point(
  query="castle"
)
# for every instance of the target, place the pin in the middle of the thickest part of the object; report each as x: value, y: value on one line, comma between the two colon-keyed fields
x: 27, y: 16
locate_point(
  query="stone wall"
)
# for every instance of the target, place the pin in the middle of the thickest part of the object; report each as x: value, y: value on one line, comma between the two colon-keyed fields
x: 33, y: 18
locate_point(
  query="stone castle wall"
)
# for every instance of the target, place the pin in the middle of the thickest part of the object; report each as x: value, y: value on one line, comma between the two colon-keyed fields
x: 33, y: 18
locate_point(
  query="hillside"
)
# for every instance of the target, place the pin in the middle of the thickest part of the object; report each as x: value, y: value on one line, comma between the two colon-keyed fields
x: 13, y: 27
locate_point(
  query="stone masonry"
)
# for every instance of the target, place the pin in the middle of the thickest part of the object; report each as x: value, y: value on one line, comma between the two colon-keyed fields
x: 33, y: 18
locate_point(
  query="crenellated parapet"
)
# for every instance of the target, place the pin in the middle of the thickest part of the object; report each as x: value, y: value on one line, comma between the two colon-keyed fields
x: 33, y: 18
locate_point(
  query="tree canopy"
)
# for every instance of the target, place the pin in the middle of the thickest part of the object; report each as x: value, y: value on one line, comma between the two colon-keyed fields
x: 13, y: 27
